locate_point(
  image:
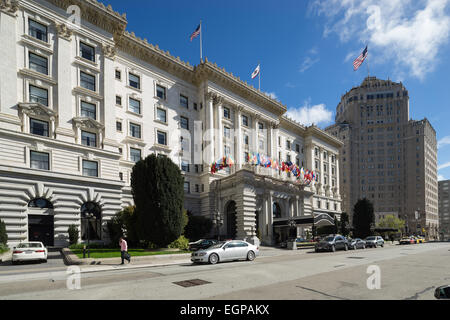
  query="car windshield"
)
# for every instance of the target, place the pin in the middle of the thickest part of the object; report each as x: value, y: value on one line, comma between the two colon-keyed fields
x: 217, y: 245
x: 29, y: 245
x: 370, y: 238
x: 328, y: 239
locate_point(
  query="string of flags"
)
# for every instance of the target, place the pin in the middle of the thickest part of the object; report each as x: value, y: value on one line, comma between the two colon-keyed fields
x: 257, y: 159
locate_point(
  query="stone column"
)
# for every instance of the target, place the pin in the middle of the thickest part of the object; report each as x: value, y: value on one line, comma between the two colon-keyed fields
x: 238, y: 138
x: 264, y: 233
x: 337, y: 177
x: 109, y: 115
x: 255, y: 133
x: 210, y: 127
x: 8, y: 64
x: 65, y: 100
x: 296, y: 206
x: 270, y: 217
x: 220, y: 136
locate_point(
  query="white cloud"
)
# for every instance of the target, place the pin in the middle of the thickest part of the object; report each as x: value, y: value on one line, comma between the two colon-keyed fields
x: 444, y: 141
x: 272, y: 95
x: 307, y: 114
x: 310, y: 60
x: 290, y: 85
x: 407, y: 32
x: 443, y: 166
x: 441, y: 177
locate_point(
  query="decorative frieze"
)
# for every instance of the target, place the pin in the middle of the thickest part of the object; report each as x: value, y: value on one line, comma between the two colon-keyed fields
x: 109, y: 51
x: 9, y: 6
x: 63, y: 31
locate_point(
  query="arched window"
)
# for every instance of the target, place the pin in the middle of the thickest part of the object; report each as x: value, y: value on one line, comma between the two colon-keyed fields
x: 40, y: 203
x: 91, y: 217
x: 276, y: 210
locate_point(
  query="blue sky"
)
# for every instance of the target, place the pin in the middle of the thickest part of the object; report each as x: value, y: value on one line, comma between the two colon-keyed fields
x: 306, y: 49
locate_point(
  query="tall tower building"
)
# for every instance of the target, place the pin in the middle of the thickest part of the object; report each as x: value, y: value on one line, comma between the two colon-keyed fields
x: 387, y: 158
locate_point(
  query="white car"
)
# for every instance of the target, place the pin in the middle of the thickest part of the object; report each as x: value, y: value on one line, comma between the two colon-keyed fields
x: 226, y: 251
x: 27, y: 251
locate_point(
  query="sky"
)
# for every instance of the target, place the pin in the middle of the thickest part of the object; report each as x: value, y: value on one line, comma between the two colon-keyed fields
x: 306, y: 49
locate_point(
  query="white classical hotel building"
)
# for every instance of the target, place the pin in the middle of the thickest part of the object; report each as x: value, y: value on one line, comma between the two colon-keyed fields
x: 79, y: 104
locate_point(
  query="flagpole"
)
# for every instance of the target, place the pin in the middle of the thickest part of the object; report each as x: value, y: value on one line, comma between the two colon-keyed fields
x: 259, y: 77
x: 368, y: 70
x: 201, y: 31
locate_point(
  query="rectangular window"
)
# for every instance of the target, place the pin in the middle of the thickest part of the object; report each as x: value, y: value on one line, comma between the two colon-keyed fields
x: 90, y: 168
x: 187, y: 187
x: 135, y: 130
x: 87, y: 52
x: 246, y: 140
x: 161, y: 92
x: 184, y: 101
x: 135, y: 106
x: 288, y: 145
x: 39, y: 160
x: 38, y: 63
x: 119, y: 100
x: 297, y: 148
x: 260, y: 126
x: 119, y: 126
x: 184, y: 122
x: 245, y: 121
x: 37, y: 30
x: 38, y: 95
x: 38, y: 127
x: 135, y: 155
x: 226, y: 132
x: 197, y: 188
x: 134, y: 81
x: 118, y: 75
x: 88, y: 139
x: 161, y: 115
x: 195, y: 106
x: 87, y: 81
x: 261, y: 144
x: 88, y: 110
x: 226, y: 113
x: 162, y: 138
x: 185, y: 166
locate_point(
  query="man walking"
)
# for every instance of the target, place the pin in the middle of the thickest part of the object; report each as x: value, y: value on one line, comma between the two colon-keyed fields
x: 124, y: 250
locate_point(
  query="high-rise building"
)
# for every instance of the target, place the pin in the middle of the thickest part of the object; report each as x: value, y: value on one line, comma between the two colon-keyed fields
x: 444, y: 210
x: 387, y: 158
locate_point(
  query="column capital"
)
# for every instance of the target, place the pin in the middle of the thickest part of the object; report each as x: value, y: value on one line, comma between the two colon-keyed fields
x: 9, y: 7
x: 63, y: 31
x: 218, y: 100
x: 109, y: 51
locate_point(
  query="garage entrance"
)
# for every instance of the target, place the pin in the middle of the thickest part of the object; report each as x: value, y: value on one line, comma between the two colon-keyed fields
x: 41, y: 228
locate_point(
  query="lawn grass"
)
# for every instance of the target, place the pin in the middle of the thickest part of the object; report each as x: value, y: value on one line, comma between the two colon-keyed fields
x: 115, y: 253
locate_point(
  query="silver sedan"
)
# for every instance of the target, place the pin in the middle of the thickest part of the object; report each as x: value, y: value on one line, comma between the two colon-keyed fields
x: 226, y: 251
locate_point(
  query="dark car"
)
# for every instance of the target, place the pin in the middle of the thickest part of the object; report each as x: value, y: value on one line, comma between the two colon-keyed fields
x: 332, y: 243
x: 202, y: 244
x: 356, y: 243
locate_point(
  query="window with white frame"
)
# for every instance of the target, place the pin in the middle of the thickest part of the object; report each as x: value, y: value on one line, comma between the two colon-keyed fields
x: 39, y: 160
x: 118, y: 100
x: 244, y: 120
x: 119, y: 126
x: 87, y: 81
x: 227, y: 132
x: 135, y: 130
x: 38, y: 95
x: 134, y: 105
x: 39, y: 127
x: 226, y: 113
x: 118, y: 74
x: 161, y: 115
x: 135, y: 155
x: 87, y: 52
x: 37, y: 30
x: 184, y: 101
x: 162, y: 137
x: 88, y: 139
x: 185, y: 166
x: 38, y: 63
x: 184, y: 123
x: 88, y: 110
x: 161, y: 92
x: 134, y: 81
x: 90, y: 168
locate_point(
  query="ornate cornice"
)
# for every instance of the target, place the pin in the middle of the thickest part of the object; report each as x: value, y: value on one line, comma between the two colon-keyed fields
x: 37, y: 109
x: 9, y: 6
x: 64, y: 31
x: 84, y: 122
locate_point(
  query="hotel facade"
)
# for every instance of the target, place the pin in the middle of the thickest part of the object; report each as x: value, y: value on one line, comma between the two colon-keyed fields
x: 82, y: 100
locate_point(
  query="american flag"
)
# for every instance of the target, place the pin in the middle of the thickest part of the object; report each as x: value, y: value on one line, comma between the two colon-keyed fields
x: 196, y: 32
x: 358, y: 61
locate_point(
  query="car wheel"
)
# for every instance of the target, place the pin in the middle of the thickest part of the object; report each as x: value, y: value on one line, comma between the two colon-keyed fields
x: 375, y: 245
x: 354, y: 247
x: 250, y: 256
x: 317, y: 250
x: 333, y: 248
x: 213, y: 258
x: 346, y: 248
x: 382, y: 245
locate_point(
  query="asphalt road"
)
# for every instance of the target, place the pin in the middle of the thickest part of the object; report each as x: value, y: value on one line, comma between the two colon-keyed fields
x: 409, y: 272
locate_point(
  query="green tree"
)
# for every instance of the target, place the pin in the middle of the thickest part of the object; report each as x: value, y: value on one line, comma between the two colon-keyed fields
x: 336, y: 225
x: 3, y: 234
x: 73, y: 234
x: 344, y: 225
x: 158, y: 192
x: 197, y: 227
x: 123, y: 224
x: 363, y: 218
x: 391, y: 221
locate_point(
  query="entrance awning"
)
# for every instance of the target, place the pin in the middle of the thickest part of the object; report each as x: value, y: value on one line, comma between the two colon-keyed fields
x: 298, y: 221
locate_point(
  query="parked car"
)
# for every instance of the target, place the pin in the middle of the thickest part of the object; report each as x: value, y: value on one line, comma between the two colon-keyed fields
x: 421, y: 239
x: 442, y: 292
x: 374, y: 241
x: 332, y: 243
x: 356, y: 243
x: 407, y: 240
x: 226, y: 251
x: 27, y: 251
x: 202, y: 244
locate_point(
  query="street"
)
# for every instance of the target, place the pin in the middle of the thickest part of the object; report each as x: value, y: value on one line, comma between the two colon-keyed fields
x: 409, y: 272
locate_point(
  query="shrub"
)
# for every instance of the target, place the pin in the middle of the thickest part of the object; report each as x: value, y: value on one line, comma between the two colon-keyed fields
x: 3, y: 234
x: 73, y: 234
x: 123, y: 224
x: 3, y: 248
x: 181, y: 243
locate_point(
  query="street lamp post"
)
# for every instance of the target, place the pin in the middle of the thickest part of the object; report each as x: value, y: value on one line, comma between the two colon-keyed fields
x: 88, y: 217
x: 218, y: 221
